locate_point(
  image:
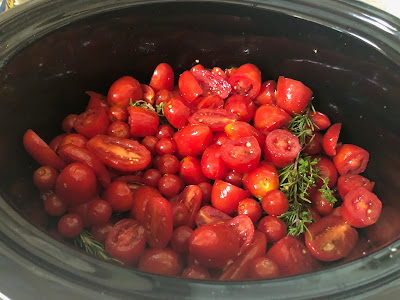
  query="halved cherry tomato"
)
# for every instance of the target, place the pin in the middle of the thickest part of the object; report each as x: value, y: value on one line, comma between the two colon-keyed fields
x: 196, y: 272
x: 126, y: 241
x: 226, y: 196
x: 143, y: 122
x: 192, y: 140
x: 212, y: 83
x: 266, y: 94
x: 351, y: 159
x: 241, y: 155
x: 330, y: 238
x: 73, y: 139
x: 269, y: 117
x: 246, y: 81
x: 361, y: 207
x: 237, y: 130
x: 261, y: 180
x: 96, y: 101
x: 220, y: 72
x: 212, y: 164
x: 160, y: 261
x: 192, y: 197
x: 349, y: 182
x: 190, y: 170
x: 321, y: 205
x: 92, y: 122
x: 189, y: 87
x: 209, y: 215
x: 313, y: 144
x: 123, y: 91
x: 162, y: 78
x: 119, y: 153
x: 67, y: 124
x: 40, y: 151
x: 320, y: 120
x: 140, y: 198
x: 326, y: 170
x: 242, y: 106
x: 244, y: 228
x: 216, y: 118
x: 281, y: 147
x: 292, y: 95
x: 330, y: 139
x: 148, y: 94
x: 177, y: 112
x: 158, y: 222
x: 211, y: 102
x: 263, y: 268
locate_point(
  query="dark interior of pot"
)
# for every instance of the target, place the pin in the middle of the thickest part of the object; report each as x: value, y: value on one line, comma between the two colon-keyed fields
x: 353, y: 83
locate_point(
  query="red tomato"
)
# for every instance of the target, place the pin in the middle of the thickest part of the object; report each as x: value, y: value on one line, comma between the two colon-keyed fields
x: 242, y: 106
x: 212, y: 164
x: 281, y: 148
x: 263, y: 268
x: 165, y: 131
x: 216, y: 119
x: 230, y: 72
x: 206, y: 189
x: 275, y: 203
x: 123, y: 91
x: 148, y: 94
x: 197, y: 67
x: 70, y: 225
x: 134, y: 182
x: 160, y: 261
x: 226, y: 196
x: 180, y: 213
x: 192, y: 140
x: 246, y: 81
x: 73, y: 139
x: 266, y: 94
x: 76, y: 184
x: 239, y: 269
x: 209, y: 215
x: 140, y: 198
x: 269, y: 117
x: 68, y: 123
x: 142, y: 121
x: 196, y: 272
x: 192, y: 197
x: 219, y: 72
x: 211, y: 102
x: 45, y: 178
x: 92, y: 122
x: 100, y: 232
x: 326, y: 170
x: 190, y: 171
x: 330, y: 139
x: 331, y: 238
x: 320, y: 204
x: 99, y: 211
x: 158, y: 222
x: 119, y: 195
x: 214, y: 245
x: 163, y: 78
x: 361, y: 208
x: 244, y: 228
x: 291, y: 256
x: 261, y: 180
x: 313, y: 144
x: 96, y: 101
x: 117, y: 113
x: 55, y: 142
x: 163, y: 96
x: 292, y: 95
x: 320, y: 120
x: 349, y: 182
x: 220, y: 138
x: 119, y: 129
x: 126, y: 241
x: 237, y: 130
x: 212, y: 83
x: 40, y: 151
x: 119, y: 153
x: 250, y: 208
x: 180, y: 239
x: 189, y: 87
x: 177, y: 112
x: 170, y: 185
x: 54, y: 205
x: 273, y: 228
x: 241, y: 155
x: 168, y: 164
x: 351, y: 159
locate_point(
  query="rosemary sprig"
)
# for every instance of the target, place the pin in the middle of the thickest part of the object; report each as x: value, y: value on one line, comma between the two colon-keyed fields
x: 86, y: 242
x: 302, y: 126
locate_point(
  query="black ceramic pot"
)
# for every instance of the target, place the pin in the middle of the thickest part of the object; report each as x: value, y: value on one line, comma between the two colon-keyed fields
x: 51, y: 52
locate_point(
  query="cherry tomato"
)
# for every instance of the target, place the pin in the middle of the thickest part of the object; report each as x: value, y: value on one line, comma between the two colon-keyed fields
x: 189, y: 87
x: 220, y: 138
x: 54, y: 205
x: 320, y: 120
x: 160, y: 261
x: 41, y: 152
x: 209, y: 215
x: 76, y: 184
x: 190, y: 170
x: 119, y: 153
x: 73, y: 139
x: 151, y: 177
x: 192, y: 140
x: 180, y: 213
x: 196, y: 272
x: 281, y: 148
x: 360, y: 207
x: 140, y: 198
x: 216, y: 119
x: 126, y: 241
x: 351, y: 159
x: 321, y: 205
x: 96, y: 101
x: 192, y: 197
x: 242, y: 106
x: 142, y: 121
x: 54, y: 143
x: 92, y: 122
x: 292, y: 95
x: 234, y: 178
x: 244, y: 228
x: 99, y: 211
x: 99, y: 232
x: 220, y: 72
x: 330, y: 139
x: 326, y: 170
x: 263, y: 268
x: 45, y: 178
x: 168, y: 164
x: 177, y: 112
x: 67, y: 124
x: 246, y: 81
x: 150, y: 143
x: 123, y: 91
x: 206, y: 189
x: 241, y: 155
x: 180, y: 239
x: 237, y: 130
x: 197, y: 67
x: 230, y: 72
x: 226, y: 196
x: 148, y: 93
x: 268, y: 117
x: 158, y: 222
x: 273, y: 228
x: 165, y: 131
x: 212, y: 164
x: 170, y: 185
x: 275, y: 203
x: 250, y: 208
x: 349, y: 182
x: 119, y: 195
x: 134, y: 182
x: 165, y: 146
x: 162, y: 78
x: 81, y: 210
x: 331, y: 238
x: 211, y: 102
x: 163, y: 96
x: 261, y: 180
x: 70, y: 225
x: 266, y: 94
x: 212, y: 83
x: 119, y: 129
x: 313, y: 144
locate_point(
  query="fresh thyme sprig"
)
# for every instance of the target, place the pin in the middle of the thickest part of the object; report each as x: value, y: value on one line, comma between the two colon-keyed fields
x: 159, y: 109
x: 297, y: 217
x: 302, y: 126
x: 86, y: 242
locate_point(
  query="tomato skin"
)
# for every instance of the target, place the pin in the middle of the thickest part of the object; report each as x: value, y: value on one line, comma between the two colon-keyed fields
x: 142, y: 121
x: 226, y: 196
x: 126, y: 241
x: 180, y: 239
x: 190, y: 170
x: 320, y: 120
x: 212, y: 164
x: 241, y: 155
x: 40, y: 151
x: 211, y: 102
x: 177, y: 112
x: 220, y: 72
x: 189, y: 87
x: 54, y: 205
x: 119, y: 129
x: 292, y: 95
x: 243, y: 226
x: 361, y: 207
x: 326, y: 170
x: 213, y: 245
x: 160, y: 261
x: 168, y: 164
x: 67, y: 124
x: 119, y: 153
x: 99, y: 212
x: 165, y: 131
x: 170, y: 185
x: 269, y: 117
x: 332, y: 238
x: 55, y: 142
x: 235, y: 178
x: 162, y: 78
x: 281, y: 148
x: 70, y: 225
x: 100, y: 232
x: 196, y: 272
x: 216, y: 119
x: 119, y: 196
x: 73, y: 139
x: 330, y: 139
x: 313, y: 146
x: 273, y: 228
x: 320, y: 204
x: 92, y: 122
x: 250, y: 208
x: 124, y: 90
x: 246, y: 81
x: 237, y: 130
x: 76, y: 184
x: 148, y: 93
x: 351, y: 159
x: 263, y: 268
x: 242, y: 106
x: 140, y: 198
x: 275, y: 203
x: 180, y: 213
x: 192, y: 197
x: 45, y: 178
x: 212, y: 83
x: 96, y: 101
x: 261, y: 180
x: 349, y: 182
x: 266, y: 94
x: 209, y: 215
x: 192, y: 140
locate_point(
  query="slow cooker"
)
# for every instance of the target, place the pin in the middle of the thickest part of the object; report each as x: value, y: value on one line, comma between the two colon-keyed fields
x: 51, y: 52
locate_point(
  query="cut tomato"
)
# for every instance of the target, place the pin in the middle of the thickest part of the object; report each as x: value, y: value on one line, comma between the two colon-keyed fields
x: 192, y: 197
x: 212, y: 83
x: 226, y: 196
x: 142, y: 121
x: 330, y: 139
x: 192, y: 140
x: 269, y: 117
x: 212, y: 164
x: 189, y: 87
x: 261, y: 180
x: 216, y: 118
x: 162, y: 78
x: 351, y: 159
x: 246, y: 81
x: 237, y: 130
x: 349, y: 182
x: 209, y: 215
x: 92, y: 122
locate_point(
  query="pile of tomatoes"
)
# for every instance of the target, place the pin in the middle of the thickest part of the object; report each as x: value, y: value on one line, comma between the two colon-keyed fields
x: 183, y: 180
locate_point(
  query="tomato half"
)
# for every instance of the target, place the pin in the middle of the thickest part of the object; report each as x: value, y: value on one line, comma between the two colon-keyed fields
x: 212, y: 83
x: 226, y: 196
x: 162, y: 78
x: 124, y: 90
x: 142, y: 121
x: 331, y: 238
x: 216, y: 118
x: 213, y: 101
x: 266, y: 94
x: 92, y: 122
x: 190, y: 171
x: 209, y: 215
x: 320, y: 120
x: 119, y: 153
x: 140, y: 198
x: 177, y: 112
x: 269, y: 117
x: 246, y: 81
x: 261, y: 180
x: 96, y: 101
x: 212, y: 164
x: 189, y: 87
x: 242, y: 106
x: 192, y: 140
x: 244, y: 228
x: 351, y: 159
x: 192, y: 197
x: 237, y: 130
x: 349, y: 182
x: 330, y: 139
x: 160, y: 261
